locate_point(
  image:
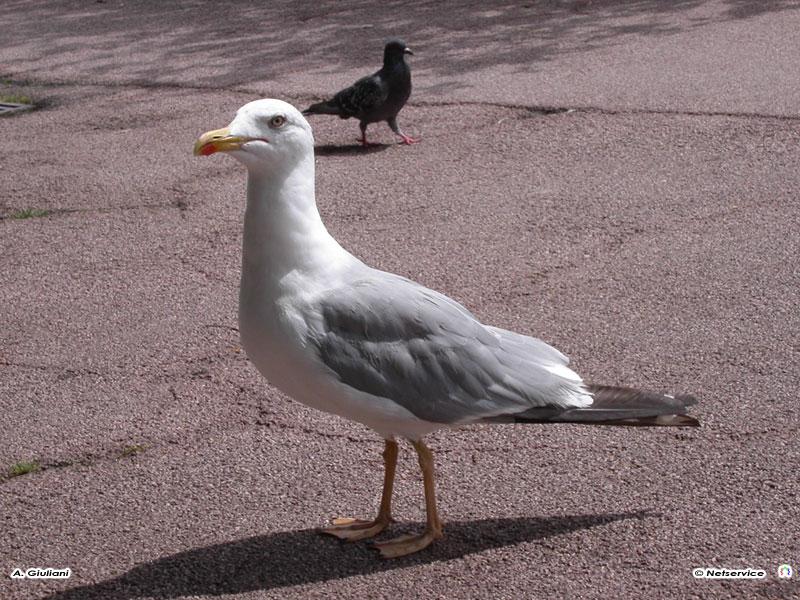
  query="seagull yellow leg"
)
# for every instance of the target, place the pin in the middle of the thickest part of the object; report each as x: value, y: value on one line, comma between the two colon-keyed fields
x: 357, y: 529
x: 408, y: 544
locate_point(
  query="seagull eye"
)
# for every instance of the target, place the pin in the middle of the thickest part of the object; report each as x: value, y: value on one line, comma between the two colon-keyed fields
x: 277, y: 121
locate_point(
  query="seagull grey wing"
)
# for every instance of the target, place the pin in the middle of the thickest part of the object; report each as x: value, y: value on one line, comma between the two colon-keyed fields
x: 362, y: 97
x: 390, y: 337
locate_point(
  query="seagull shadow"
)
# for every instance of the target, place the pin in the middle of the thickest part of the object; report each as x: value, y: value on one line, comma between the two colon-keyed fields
x: 292, y: 558
x: 334, y: 150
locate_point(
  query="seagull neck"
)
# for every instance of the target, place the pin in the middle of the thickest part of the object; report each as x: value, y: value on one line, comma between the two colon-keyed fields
x: 283, y: 230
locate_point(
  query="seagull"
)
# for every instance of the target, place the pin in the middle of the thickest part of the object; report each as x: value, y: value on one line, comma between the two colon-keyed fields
x: 376, y: 97
x: 375, y: 347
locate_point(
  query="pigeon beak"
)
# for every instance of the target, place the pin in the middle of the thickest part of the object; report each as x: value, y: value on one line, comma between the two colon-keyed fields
x: 218, y: 140
x: 407, y: 50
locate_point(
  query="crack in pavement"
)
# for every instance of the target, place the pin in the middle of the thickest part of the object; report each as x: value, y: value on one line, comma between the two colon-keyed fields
x: 543, y: 109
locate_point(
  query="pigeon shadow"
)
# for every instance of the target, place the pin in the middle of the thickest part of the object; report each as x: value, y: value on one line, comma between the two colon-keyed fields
x: 292, y: 558
x: 349, y: 149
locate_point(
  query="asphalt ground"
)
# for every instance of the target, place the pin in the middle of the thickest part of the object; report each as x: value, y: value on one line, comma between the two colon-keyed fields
x: 620, y: 179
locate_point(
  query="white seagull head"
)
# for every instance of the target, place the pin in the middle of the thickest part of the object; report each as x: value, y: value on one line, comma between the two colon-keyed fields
x: 266, y: 136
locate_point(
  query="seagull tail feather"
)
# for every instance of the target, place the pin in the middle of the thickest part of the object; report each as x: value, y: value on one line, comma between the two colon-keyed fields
x: 616, y: 406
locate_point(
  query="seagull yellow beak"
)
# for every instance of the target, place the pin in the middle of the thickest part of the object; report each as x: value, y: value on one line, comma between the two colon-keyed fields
x: 218, y: 140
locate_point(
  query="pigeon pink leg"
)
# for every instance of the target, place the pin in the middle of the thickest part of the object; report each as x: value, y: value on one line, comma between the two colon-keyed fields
x: 396, y: 128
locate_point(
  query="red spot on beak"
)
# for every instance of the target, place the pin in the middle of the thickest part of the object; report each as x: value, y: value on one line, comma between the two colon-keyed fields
x: 208, y: 150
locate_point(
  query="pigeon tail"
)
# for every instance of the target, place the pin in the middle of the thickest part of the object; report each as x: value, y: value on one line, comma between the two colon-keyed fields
x: 323, y: 108
x: 616, y: 406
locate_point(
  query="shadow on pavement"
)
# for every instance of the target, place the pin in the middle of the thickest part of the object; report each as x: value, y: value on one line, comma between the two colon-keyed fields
x: 256, y: 41
x: 301, y: 557
x: 354, y: 149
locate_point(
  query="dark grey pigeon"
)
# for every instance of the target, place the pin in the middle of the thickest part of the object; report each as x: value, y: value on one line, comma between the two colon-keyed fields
x: 376, y: 97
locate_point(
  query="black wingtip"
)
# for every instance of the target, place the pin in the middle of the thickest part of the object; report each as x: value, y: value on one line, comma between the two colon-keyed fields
x: 657, y: 421
x: 615, y: 406
x: 665, y: 410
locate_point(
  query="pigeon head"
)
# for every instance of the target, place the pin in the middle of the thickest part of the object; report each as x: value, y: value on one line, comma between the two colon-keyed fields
x: 395, y: 50
x: 265, y: 135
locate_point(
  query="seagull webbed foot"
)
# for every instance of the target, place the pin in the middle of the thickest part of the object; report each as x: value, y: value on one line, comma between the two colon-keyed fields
x: 408, y: 544
x: 353, y: 530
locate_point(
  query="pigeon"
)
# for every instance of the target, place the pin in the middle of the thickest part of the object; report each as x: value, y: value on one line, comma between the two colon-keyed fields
x: 377, y: 348
x: 376, y: 97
